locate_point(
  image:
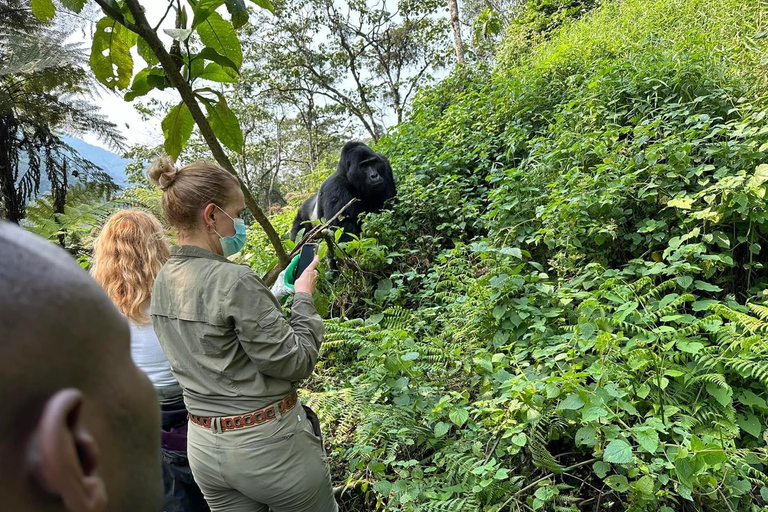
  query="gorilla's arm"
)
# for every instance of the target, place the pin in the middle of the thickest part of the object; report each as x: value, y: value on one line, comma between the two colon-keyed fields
x: 335, y: 193
x: 305, y: 213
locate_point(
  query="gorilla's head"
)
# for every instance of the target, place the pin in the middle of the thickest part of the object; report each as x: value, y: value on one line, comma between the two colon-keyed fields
x: 365, y: 170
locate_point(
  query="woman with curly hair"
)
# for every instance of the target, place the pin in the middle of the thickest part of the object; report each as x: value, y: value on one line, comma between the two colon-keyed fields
x: 127, y: 256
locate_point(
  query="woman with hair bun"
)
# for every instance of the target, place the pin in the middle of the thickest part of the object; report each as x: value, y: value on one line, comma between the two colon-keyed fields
x: 252, y: 445
x: 127, y: 256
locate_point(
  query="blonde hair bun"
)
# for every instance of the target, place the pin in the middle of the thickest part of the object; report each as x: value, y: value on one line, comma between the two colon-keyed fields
x: 163, y: 172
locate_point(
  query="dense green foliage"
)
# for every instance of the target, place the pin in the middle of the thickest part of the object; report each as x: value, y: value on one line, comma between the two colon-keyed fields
x: 564, y: 309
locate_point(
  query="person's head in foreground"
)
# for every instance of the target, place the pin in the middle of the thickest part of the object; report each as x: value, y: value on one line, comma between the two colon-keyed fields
x: 79, y: 423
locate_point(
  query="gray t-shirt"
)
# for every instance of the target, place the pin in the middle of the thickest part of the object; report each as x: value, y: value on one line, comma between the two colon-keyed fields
x: 149, y: 356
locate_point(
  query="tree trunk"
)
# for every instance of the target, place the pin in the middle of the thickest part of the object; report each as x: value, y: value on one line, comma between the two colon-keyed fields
x: 12, y: 208
x: 453, y: 8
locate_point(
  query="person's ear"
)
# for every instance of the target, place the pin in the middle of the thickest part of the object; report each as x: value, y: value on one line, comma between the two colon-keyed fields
x: 64, y: 456
x: 208, y: 217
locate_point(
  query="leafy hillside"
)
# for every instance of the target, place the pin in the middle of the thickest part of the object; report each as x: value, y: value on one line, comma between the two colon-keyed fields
x: 564, y: 311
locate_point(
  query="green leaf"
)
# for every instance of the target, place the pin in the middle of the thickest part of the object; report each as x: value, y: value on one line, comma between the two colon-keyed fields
x: 219, y: 34
x: 722, y: 395
x: 383, y: 487
x: 459, y: 416
x: 648, y: 438
x: 225, y: 125
x: 685, y: 469
x: 586, y: 436
x: 764, y: 493
x: 177, y: 128
x: 203, y: 9
x: 265, y: 4
x: 74, y: 5
x: 760, y: 176
x: 212, y: 55
x: 441, y: 428
x: 682, y: 202
x: 217, y: 73
x: 410, y: 356
x: 44, y: 10
x: 617, y: 483
x: 519, y: 439
x: 501, y: 474
x: 644, y: 485
x: 721, y: 239
x: 142, y: 84
x: 752, y: 400
x: 685, y: 281
x: 618, y: 451
x: 593, y: 413
x: 238, y: 12
x: 111, y: 59
x: 702, y: 305
x: 690, y: 347
x: 601, y: 468
x: 750, y: 424
x: 146, y: 53
x: 572, y: 402
x: 704, y: 286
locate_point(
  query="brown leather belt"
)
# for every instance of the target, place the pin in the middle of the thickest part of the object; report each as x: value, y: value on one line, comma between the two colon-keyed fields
x: 250, y: 419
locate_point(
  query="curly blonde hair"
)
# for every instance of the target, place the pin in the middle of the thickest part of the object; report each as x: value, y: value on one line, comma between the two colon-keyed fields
x: 127, y: 256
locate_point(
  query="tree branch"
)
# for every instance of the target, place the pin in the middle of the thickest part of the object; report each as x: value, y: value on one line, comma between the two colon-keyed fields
x: 144, y: 30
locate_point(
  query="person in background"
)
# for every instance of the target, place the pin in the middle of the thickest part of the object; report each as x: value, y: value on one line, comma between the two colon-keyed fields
x: 127, y: 256
x: 252, y: 447
x: 79, y: 422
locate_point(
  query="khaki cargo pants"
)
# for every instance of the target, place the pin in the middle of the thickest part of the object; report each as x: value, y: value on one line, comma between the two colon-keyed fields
x: 279, y: 466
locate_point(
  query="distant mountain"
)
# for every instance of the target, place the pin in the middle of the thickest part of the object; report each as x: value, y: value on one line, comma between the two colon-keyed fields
x: 110, y: 162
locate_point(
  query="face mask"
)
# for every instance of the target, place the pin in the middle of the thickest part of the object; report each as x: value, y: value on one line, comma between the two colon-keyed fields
x: 232, y: 244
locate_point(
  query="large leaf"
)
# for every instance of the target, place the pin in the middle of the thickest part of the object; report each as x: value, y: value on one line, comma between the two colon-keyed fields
x: 265, y: 4
x: 217, y: 73
x: 225, y: 125
x: 74, y: 5
x: 143, y: 83
x: 146, y: 53
x: 111, y: 59
x: 217, y: 33
x: 203, y: 9
x: 459, y: 416
x: 618, y: 451
x: 648, y: 438
x: 238, y: 12
x: 177, y: 128
x: 44, y: 10
x: 213, y: 55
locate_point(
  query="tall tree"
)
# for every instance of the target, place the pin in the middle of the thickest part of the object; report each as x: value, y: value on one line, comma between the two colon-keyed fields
x: 358, y: 55
x: 453, y: 8
x: 43, y: 92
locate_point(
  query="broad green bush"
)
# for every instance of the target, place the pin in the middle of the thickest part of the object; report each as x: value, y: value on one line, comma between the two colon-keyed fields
x: 564, y: 310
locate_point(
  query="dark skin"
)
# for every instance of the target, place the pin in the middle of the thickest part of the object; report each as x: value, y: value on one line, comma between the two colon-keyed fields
x: 79, y: 423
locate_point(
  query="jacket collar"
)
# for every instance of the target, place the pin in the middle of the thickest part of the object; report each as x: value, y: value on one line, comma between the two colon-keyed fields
x: 192, y: 251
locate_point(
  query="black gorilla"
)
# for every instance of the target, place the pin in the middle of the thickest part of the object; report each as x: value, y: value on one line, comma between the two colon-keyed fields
x: 361, y: 173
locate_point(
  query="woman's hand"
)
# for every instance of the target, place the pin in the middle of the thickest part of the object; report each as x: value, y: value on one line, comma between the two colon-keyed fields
x: 307, y: 281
